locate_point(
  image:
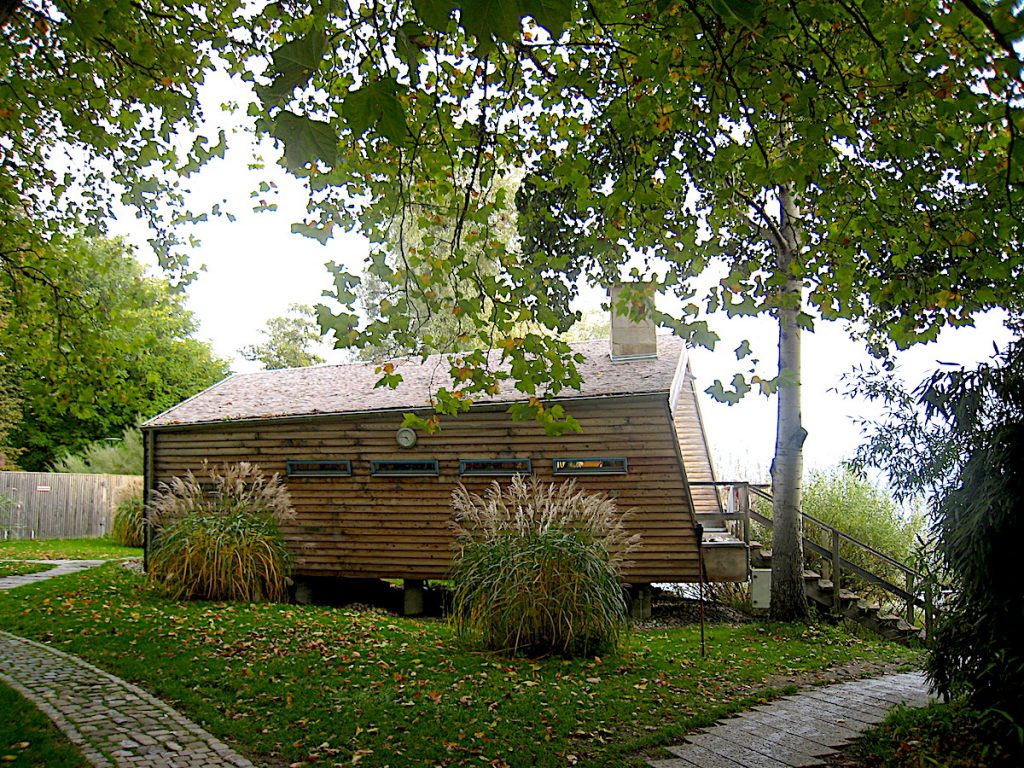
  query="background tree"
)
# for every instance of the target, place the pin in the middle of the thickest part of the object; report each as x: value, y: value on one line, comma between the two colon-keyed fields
x: 831, y: 158
x: 959, y: 438
x: 120, y: 348
x: 288, y: 340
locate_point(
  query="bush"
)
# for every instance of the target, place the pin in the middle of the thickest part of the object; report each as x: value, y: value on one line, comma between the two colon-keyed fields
x: 223, y: 543
x: 129, y: 527
x: 842, y: 499
x: 852, y: 504
x: 537, y: 570
x: 106, y: 457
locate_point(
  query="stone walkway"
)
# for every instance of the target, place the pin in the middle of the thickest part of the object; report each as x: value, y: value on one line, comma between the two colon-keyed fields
x: 61, y: 568
x: 798, y: 731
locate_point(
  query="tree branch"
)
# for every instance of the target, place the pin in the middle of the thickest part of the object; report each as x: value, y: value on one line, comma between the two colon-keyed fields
x: 985, y: 18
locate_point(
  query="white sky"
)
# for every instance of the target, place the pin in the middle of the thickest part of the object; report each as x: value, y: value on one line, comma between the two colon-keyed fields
x: 255, y: 268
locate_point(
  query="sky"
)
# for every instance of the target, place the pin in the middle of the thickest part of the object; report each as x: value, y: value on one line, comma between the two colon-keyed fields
x: 254, y: 268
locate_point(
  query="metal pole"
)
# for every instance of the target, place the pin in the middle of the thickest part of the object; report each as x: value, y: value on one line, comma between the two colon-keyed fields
x: 699, y: 530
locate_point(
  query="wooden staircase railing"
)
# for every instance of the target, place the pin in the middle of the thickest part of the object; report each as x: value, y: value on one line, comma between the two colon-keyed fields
x: 914, y: 593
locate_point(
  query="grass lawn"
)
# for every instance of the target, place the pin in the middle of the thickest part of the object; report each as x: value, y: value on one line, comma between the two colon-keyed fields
x: 29, y: 740
x: 65, y: 549
x: 18, y: 568
x: 327, y: 686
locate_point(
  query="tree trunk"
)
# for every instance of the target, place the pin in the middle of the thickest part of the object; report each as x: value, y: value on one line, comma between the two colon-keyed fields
x: 788, y: 600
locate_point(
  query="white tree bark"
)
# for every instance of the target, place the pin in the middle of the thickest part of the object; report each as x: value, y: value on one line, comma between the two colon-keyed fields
x: 788, y: 599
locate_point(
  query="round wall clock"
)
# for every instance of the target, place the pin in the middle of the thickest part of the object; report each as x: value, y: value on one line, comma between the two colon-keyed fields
x: 406, y: 437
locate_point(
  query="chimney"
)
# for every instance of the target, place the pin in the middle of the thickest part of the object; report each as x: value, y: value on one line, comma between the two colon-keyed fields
x: 632, y: 339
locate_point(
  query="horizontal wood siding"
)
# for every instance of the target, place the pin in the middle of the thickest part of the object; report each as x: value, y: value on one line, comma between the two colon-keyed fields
x: 694, y: 448
x: 373, y: 526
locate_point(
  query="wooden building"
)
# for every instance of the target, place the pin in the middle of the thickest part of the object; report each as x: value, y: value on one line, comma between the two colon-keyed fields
x: 373, y: 500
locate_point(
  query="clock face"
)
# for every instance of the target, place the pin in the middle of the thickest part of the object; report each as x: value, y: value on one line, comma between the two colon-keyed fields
x: 406, y: 437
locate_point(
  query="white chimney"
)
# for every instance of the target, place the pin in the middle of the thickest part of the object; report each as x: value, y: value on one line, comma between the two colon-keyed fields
x: 632, y: 339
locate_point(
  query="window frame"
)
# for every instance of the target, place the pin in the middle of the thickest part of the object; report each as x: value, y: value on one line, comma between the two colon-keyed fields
x: 621, y: 466
x: 484, y: 472
x: 344, y: 468
x: 429, y: 468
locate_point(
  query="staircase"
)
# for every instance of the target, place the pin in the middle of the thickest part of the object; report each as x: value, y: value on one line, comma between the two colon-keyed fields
x: 823, y: 593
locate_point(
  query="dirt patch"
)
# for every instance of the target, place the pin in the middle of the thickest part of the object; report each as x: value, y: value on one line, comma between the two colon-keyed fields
x: 670, y: 609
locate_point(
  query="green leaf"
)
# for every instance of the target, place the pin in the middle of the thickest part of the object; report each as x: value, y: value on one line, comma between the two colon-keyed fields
x: 292, y: 65
x: 377, y: 105
x: 485, y: 19
x: 743, y: 350
x: 434, y: 13
x: 746, y: 12
x: 740, y: 387
x: 407, y: 41
x: 305, y: 140
x: 391, y: 124
x: 323, y: 234
x: 553, y: 15
x: 359, y: 109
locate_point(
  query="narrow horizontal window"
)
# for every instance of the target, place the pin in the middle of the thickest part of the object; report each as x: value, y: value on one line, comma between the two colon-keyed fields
x: 319, y: 468
x: 405, y: 467
x: 495, y: 467
x: 590, y: 466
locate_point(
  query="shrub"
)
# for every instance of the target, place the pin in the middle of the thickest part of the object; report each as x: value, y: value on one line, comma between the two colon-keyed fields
x: 106, y: 457
x: 224, y: 542
x: 537, y: 569
x: 856, y: 507
x: 129, y: 527
x: 842, y: 499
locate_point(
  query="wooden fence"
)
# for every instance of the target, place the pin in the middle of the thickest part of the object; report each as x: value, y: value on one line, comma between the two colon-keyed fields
x: 48, y: 505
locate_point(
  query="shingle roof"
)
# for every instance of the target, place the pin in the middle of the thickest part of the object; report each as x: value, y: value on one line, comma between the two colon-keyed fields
x: 349, y: 387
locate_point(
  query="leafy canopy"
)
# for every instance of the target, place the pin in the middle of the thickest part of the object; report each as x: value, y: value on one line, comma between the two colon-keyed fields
x: 657, y: 137
x: 99, y: 103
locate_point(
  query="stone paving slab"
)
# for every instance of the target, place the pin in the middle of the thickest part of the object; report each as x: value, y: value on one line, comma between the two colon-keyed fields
x: 798, y: 731
x: 61, y: 568
x: 112, y: 722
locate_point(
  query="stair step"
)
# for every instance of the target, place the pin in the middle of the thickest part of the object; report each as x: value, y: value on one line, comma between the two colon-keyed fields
x: 826, y: 586
x: 811, y: 576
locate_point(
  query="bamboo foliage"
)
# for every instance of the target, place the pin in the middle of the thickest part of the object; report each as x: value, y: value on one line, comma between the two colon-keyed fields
x: 220, y: 540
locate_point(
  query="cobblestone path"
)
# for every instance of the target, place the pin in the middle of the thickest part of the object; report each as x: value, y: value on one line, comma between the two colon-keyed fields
x: 61, y: 567
x: 798, y: 731
x: 112, y: 722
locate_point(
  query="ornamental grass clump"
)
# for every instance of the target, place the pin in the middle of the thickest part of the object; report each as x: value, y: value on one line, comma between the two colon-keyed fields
x: 128, y: 529
x: 537, y: 570
x: 221, y: 541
